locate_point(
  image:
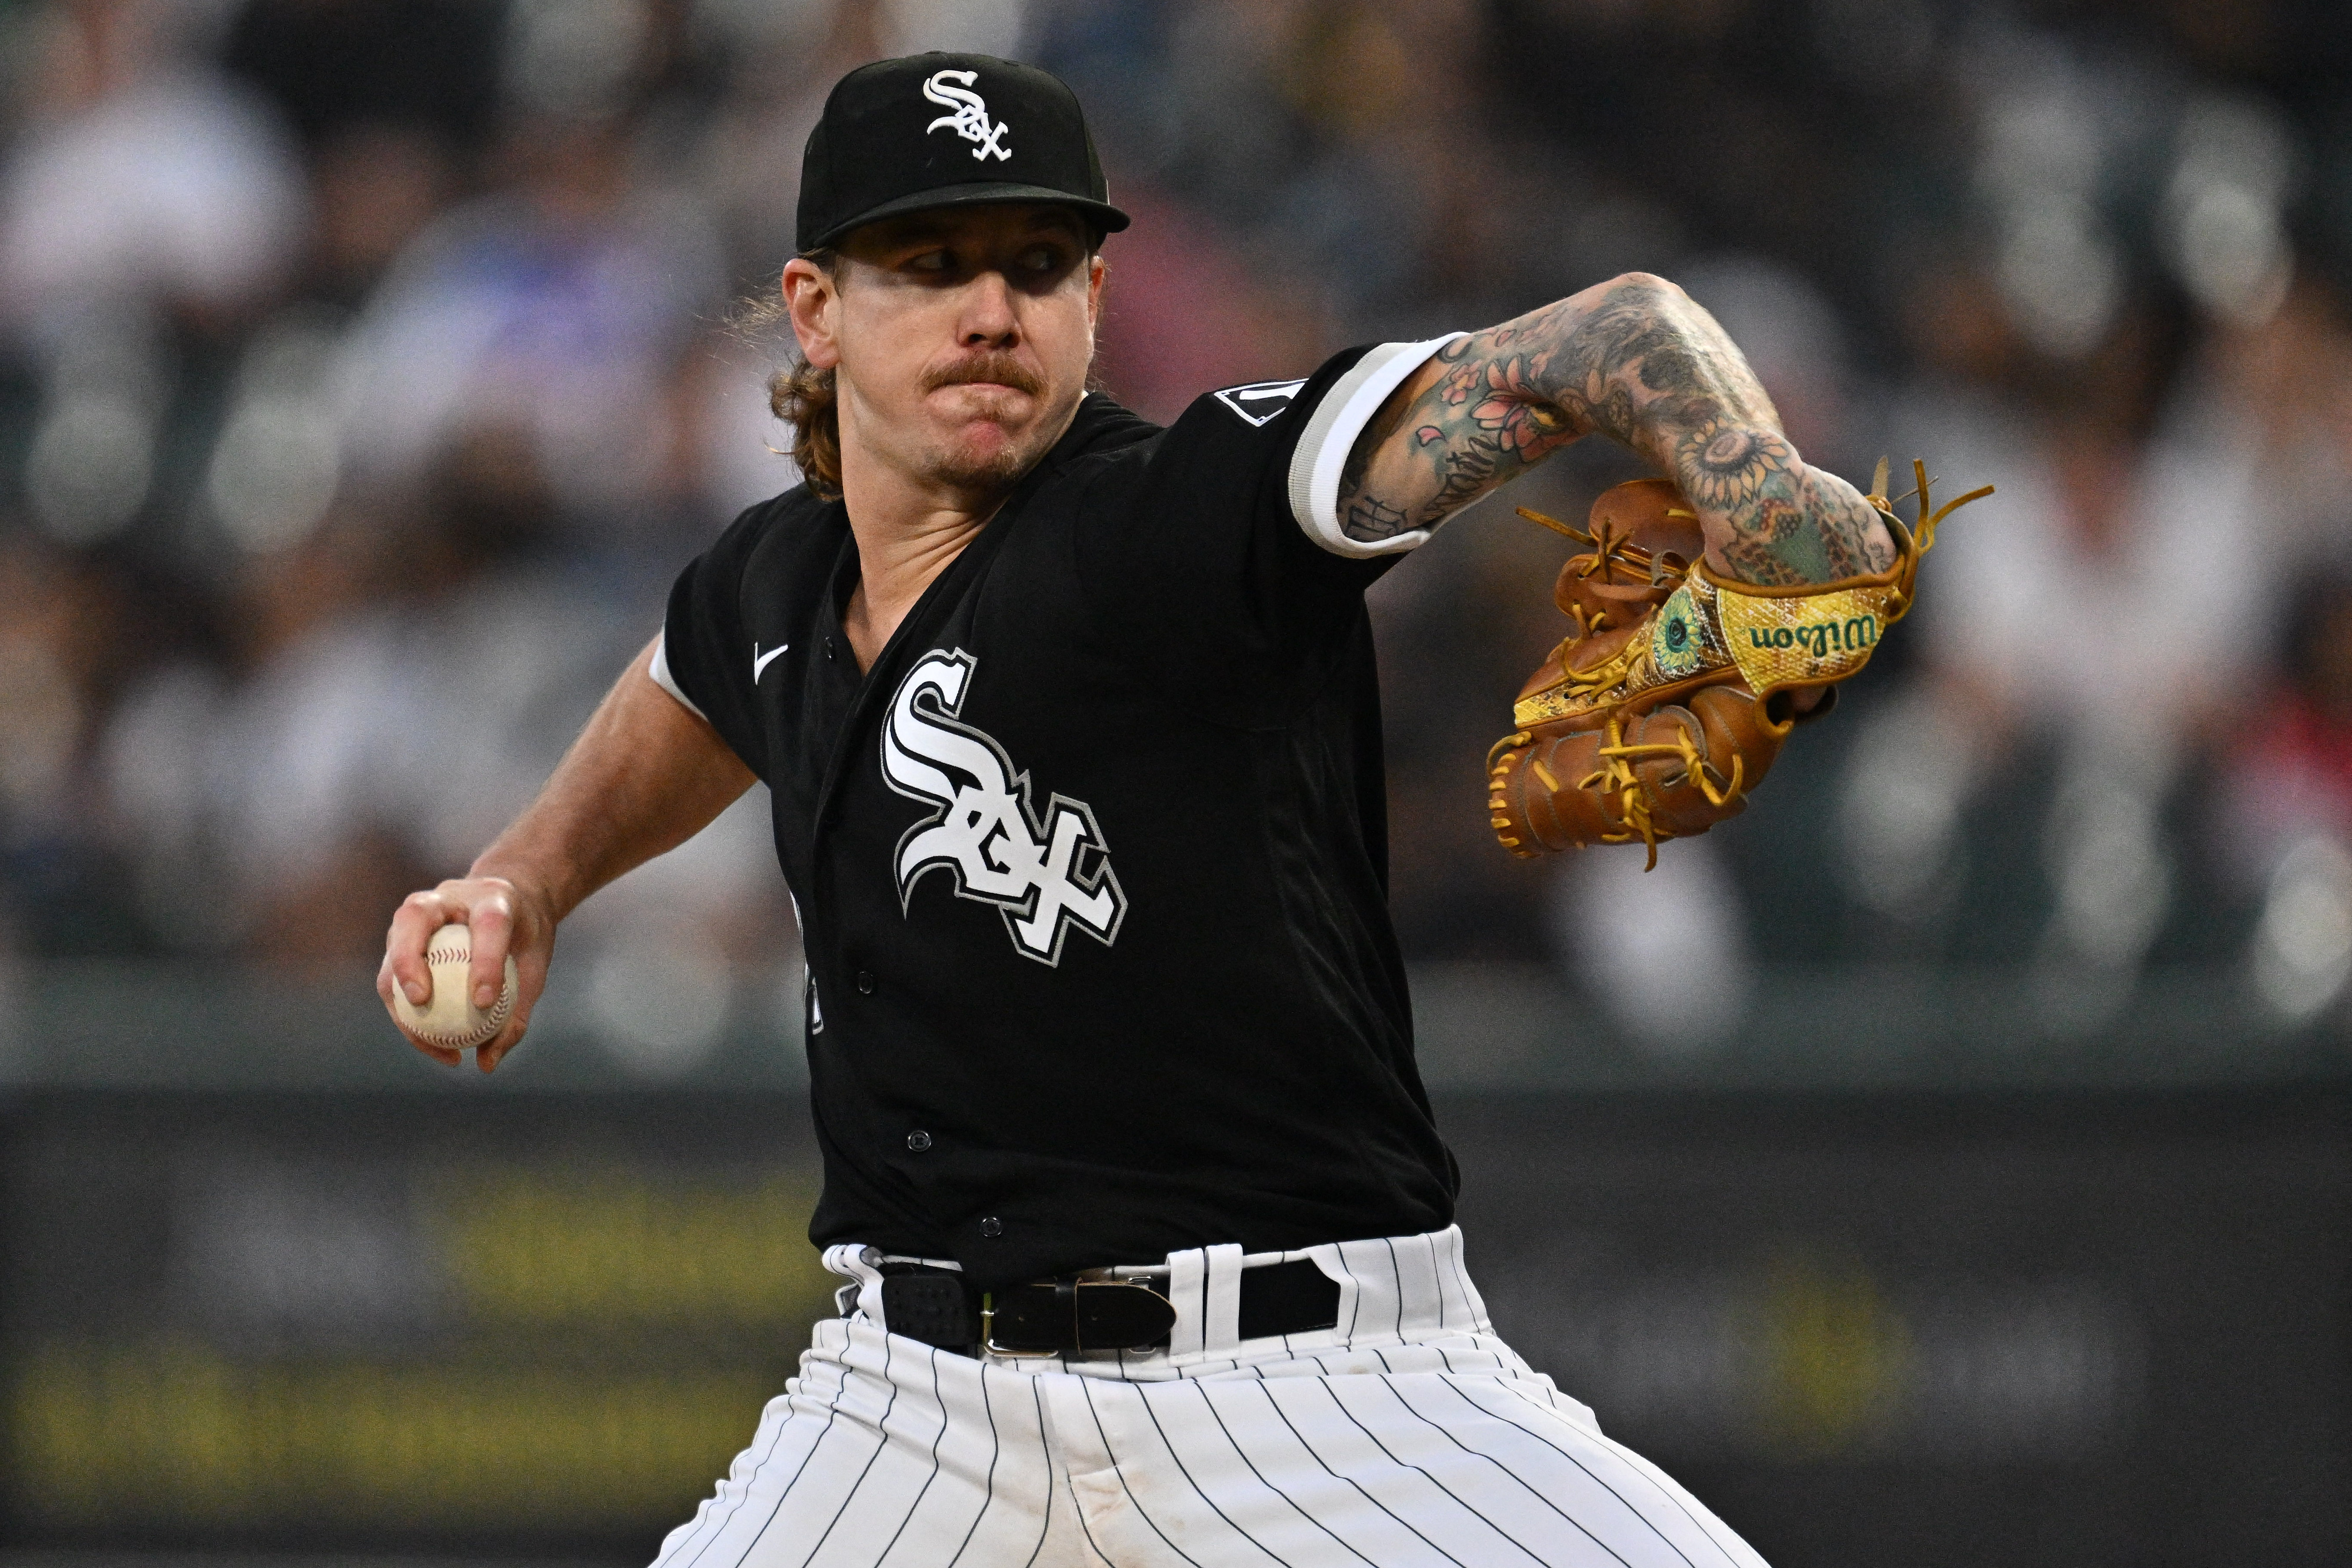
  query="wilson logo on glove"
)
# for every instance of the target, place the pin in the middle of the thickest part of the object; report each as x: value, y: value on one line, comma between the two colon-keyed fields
x: 1671, y: 700
x: 1860, y: 632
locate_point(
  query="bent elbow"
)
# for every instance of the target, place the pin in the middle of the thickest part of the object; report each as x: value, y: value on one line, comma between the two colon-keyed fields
x: 1646, y: 283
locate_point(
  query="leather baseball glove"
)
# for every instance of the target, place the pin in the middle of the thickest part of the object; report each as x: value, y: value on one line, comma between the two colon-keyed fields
x: 1671, y: 699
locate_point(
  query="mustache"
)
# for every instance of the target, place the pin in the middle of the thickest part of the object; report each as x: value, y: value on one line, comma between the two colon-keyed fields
x: 994, y: 366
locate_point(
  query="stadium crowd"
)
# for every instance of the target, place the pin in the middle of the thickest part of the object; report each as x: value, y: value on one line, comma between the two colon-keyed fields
x: 366, y: 374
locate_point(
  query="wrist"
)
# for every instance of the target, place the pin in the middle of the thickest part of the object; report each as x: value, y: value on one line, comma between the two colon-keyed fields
x: 533, y: 894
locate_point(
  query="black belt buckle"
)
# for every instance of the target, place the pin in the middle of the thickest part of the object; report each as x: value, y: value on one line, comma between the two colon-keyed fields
x: 1094, y: 1310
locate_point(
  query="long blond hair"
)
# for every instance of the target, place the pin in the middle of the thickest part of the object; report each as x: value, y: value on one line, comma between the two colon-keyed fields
x: 801, y: 395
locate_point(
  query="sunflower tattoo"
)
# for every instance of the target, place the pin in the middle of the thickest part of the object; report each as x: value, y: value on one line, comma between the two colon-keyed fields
x: 1725, y: 467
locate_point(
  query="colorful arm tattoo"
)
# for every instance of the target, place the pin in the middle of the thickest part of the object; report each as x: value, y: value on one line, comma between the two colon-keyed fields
x: 1637, y: 360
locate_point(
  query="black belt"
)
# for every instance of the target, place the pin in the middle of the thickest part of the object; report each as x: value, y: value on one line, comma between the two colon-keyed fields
x: 1092, y: 1311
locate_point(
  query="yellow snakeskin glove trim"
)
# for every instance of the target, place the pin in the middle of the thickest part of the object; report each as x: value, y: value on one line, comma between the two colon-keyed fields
x: 1777, y: 637
x: 1792, y: 639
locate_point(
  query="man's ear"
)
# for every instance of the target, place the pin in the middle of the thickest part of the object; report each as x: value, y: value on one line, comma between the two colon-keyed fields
x: 1098, y: 274
x: 809, y: 297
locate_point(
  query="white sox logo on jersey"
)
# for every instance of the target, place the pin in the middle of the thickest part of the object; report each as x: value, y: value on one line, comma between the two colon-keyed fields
x: 970, y: 120
x: 1044, y: 875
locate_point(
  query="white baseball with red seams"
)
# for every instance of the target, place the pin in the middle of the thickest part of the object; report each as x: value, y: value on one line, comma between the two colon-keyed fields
x: 450, y: 1017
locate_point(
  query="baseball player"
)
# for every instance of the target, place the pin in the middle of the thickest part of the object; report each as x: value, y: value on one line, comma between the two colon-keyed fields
x: 1070, y: 727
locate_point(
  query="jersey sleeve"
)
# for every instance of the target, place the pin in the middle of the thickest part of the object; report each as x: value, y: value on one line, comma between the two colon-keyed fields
x: 1249, y: 476
x: 1329, y: 434
x: 701, y: 658
x: 1218, y: 557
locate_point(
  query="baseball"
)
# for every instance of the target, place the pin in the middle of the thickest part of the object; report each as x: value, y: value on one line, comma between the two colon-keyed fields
x: 450, y: 1019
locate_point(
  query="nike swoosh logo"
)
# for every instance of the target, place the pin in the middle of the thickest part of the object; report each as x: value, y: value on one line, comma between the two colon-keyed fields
x: 761, y: 661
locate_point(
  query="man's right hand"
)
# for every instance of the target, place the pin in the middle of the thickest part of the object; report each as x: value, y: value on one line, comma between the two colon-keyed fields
x: 501, y: 919
x: 645, y: 775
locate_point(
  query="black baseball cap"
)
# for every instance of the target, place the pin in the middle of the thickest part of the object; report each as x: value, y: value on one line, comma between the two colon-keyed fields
x: 946, y: 130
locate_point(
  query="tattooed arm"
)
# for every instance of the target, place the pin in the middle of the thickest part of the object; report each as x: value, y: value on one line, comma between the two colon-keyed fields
x: 1635, y: 358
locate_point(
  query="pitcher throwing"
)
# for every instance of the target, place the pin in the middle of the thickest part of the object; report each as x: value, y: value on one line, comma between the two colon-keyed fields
x: 1071, y: 729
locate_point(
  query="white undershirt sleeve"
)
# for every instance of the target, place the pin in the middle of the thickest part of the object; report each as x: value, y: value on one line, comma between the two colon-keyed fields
x: 659, y: 671
x: 1330, y: 434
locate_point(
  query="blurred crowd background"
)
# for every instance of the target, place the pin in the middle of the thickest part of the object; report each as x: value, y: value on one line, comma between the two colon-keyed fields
x: 365, y: 377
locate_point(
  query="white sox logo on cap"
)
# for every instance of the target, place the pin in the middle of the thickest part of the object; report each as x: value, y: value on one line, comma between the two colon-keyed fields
x: 852, y: 176
x: 970, y: 120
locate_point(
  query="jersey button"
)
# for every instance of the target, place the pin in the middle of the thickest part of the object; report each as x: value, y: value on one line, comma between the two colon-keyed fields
x: 865, y: 982
x: 992, y: 1228
x: 828, y: 650
x: 919, y: 1140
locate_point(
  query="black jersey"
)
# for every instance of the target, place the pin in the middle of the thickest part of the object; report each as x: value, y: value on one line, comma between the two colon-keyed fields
x: 1090, y: 866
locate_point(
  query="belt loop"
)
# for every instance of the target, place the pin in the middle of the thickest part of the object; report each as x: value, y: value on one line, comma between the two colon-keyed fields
x: 1462, y: 1302
x: 1222, y: 1312
x: 862, y: 1299
x: 1187, y: 1282
x: 1332, y: 1258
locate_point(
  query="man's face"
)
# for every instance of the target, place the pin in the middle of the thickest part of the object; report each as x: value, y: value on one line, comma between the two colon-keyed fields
x: 960, y: 338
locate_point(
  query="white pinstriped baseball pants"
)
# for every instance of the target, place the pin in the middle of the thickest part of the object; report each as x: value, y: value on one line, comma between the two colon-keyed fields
x: 1409, y: 1437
